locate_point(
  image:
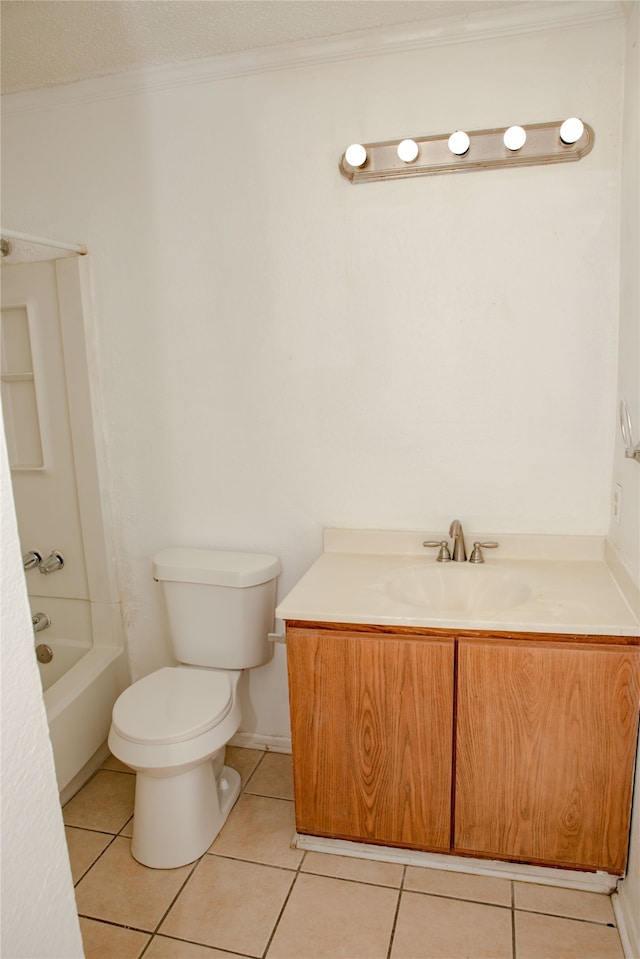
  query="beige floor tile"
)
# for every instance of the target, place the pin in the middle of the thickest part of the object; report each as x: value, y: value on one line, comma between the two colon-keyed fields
x: 164, y: 948
x: 242, y: 760
x: 572, y: 903
x: 118, y: 889
x: 260, y: 829
x: 459, y: 885
x: 116, y: 765
x: 333, y: 919
x: 105, y: 803
x: 102, y: 941
x: 84, y: 848
x: 229, y: 904
x: 273, y: 777
x: 550, y: 937
x: 430, y: 927
x: 359, y: 870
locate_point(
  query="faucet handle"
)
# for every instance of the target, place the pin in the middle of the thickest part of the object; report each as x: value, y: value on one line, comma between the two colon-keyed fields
x: 54, y: 561
x: 476, y: 555
x: 444, y: 556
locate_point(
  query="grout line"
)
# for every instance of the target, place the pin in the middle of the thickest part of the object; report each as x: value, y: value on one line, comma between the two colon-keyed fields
x: 190, y: 942
x: 444, y: 895
x: 560, y: 915
x: 271, y: 796
x: 397, y: 912
x: 356, y: 882
x: 253, y: 862
x: 116, y: 925
x: 284, y: 905
x: 96, y: 829
x: 130, y: 819
x: 90, y: 867
x: 252, y: 773
x: 267, y: 796
x: 173, y: 901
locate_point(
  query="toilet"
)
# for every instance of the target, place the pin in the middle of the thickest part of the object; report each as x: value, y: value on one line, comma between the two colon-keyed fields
x: 173, y: 725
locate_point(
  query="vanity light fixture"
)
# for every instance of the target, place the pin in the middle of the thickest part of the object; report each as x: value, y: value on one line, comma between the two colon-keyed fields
x: 532, y: 144
x: 515, y: 138
x: 408, y: 150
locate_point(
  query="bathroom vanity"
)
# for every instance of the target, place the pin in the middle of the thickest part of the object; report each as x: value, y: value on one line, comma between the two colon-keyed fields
x: 499, y: 722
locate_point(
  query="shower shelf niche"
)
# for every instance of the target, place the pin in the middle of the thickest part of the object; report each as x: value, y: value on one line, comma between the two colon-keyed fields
x: 19, y: 397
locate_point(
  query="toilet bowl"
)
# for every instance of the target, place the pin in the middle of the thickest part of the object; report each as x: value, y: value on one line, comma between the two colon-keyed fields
x: 173, y: 725
x: 172, y: 728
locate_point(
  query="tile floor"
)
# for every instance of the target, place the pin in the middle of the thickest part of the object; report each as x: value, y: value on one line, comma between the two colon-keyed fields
x: 252, y: 895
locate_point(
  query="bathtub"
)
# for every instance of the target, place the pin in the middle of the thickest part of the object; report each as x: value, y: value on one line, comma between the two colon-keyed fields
x: 66, y: 653
x: 80, y: 684
x: 78, y: 703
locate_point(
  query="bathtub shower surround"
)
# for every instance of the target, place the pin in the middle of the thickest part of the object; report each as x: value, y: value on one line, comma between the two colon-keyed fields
x: 49, y: 399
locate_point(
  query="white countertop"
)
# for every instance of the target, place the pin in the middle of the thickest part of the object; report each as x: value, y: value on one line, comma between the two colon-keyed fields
x: 571, y: 588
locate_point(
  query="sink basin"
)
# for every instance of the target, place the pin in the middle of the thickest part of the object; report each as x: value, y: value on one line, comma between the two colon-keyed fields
x: 454, y: 587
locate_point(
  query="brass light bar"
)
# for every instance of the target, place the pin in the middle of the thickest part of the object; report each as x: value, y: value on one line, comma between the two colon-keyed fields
x: 486, y: 151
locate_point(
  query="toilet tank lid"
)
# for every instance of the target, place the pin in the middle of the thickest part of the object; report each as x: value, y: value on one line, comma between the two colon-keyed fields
x: 214, y: 567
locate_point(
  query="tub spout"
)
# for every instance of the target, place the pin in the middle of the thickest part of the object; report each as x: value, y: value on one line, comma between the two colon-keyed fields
x: 40, y: 621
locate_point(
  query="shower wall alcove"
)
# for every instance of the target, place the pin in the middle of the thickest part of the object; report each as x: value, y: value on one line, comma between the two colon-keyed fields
x: 49, y: 405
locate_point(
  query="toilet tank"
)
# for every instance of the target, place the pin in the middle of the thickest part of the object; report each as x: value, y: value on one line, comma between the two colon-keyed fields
x: 220, y: 605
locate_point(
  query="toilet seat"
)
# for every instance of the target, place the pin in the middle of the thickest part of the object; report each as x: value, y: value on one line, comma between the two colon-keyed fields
x: 173, y: 704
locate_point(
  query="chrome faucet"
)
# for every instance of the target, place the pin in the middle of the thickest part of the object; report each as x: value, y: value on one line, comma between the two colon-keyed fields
x: 459, y: 554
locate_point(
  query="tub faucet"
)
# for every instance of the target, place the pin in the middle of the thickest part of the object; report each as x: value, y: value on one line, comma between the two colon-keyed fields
x: 458, y: 552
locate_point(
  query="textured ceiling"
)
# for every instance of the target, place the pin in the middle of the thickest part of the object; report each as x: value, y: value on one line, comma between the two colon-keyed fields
x: 51, y: 42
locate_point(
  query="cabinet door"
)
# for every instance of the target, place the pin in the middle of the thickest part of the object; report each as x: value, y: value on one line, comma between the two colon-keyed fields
x: 546, y: 737
x: 372, y: 720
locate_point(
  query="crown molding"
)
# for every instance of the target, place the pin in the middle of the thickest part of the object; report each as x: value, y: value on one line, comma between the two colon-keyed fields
x: 524, y: 16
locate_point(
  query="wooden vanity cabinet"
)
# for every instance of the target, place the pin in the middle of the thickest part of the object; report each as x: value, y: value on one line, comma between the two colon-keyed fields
x: 545, y: 747
x: 507, y: 747
x: 372, y: 735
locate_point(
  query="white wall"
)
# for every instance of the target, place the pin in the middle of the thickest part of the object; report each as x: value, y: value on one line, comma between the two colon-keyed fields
x: 39, y: 915
x: 626, y: 536
x: 282, y: 350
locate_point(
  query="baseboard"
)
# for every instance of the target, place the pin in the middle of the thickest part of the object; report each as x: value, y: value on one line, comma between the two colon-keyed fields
x: 272, y: 744
x: 541, y: 875
x: 627, y: 922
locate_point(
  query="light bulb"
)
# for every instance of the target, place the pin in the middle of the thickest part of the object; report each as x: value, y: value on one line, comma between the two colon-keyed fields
x: 515, y: 138
x: 408, y: 150
x: 459, y: 143
x: 571, y: 130
x: 355, y: 155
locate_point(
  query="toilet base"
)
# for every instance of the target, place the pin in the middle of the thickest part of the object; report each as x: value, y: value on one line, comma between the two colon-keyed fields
x: 177, y: 818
